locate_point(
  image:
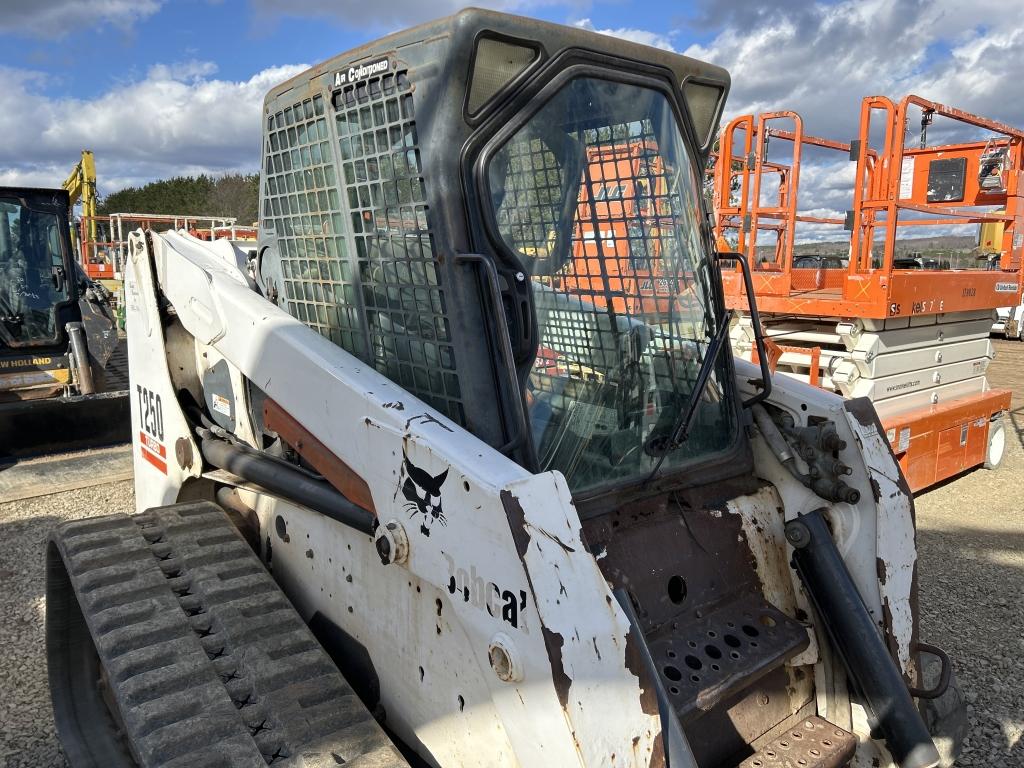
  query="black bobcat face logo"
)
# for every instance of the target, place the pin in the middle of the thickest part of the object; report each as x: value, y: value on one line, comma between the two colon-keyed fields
x: 422, y: 492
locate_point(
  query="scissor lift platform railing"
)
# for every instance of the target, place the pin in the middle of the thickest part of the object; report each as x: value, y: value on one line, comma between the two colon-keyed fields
x: 914, y: 341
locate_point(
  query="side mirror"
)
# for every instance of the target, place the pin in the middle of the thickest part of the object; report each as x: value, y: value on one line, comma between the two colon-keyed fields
x: 755, y: 319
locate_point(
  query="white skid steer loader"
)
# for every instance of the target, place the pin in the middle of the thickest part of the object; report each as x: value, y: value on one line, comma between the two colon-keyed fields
x: 443, y: 477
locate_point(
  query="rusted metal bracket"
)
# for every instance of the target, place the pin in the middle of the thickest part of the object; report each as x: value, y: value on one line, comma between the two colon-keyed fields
x: 943, y: 683
x: 335, y: 471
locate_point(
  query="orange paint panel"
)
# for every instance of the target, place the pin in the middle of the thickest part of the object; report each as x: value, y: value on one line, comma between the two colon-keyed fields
x: 932, y: 454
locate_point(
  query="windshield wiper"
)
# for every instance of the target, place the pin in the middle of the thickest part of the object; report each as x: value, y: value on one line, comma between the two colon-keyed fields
x: 681, y: 427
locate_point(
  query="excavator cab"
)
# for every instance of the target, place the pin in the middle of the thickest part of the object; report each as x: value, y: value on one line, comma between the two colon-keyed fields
x: 532, y: 509
x: 35, y: 264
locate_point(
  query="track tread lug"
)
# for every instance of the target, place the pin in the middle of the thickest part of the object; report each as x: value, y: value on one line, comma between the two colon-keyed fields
x: 209, y: 662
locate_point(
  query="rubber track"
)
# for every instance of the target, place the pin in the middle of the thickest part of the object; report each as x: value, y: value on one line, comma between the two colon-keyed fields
x: 208, y: 661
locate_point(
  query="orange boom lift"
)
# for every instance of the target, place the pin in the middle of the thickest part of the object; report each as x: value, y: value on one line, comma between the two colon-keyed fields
x: 908, y: 331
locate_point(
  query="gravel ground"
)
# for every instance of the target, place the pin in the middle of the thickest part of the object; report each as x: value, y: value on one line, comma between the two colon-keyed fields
x: 27, y: 738
x: 971, y: 538
x: 971, y: 542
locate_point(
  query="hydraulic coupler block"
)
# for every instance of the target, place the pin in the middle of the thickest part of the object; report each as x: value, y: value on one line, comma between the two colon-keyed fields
x: 858, y: 641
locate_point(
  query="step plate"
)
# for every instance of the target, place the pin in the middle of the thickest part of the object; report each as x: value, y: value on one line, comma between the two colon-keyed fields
x: 814, y: 743
x: 724, y: 652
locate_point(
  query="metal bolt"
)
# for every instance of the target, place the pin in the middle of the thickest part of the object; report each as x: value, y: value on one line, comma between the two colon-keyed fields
x: 183, y: 452
x: 520, y: 277
x: 384, y: 549
x: 501, y: 652
x: 797, y: 534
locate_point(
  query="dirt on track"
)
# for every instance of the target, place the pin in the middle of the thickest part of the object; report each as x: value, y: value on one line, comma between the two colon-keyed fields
x: 971, y: 574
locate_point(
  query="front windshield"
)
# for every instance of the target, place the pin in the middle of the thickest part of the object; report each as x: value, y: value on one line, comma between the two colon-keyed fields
x: 32, y: 279
x: 597, y: 195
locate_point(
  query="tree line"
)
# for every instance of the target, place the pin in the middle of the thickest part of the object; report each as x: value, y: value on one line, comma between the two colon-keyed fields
x: 234, y: 195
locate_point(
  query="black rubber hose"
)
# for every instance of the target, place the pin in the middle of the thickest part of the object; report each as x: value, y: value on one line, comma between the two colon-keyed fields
x: 859, y: 642
x: 290, y: 484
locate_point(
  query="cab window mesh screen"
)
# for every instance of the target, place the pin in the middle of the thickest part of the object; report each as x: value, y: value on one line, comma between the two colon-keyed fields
x: 302, y: 205
x: 373, y: 286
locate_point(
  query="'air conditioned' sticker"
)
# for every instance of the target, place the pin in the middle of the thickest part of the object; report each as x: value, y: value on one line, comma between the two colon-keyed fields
x: 363, y: 71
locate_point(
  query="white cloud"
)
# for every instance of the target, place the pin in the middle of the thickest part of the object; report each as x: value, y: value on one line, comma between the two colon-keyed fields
x: 187, y: 71
x: 642, y: 36
x: 819, y: 59
x: 53, y: 19
x: 177, y: 120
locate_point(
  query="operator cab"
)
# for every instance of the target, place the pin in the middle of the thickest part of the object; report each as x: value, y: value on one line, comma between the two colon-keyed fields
x: 564, y: 315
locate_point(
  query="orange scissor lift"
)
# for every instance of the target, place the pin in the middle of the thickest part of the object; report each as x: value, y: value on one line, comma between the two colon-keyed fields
x: 103, y: 240
x: 908, y: 332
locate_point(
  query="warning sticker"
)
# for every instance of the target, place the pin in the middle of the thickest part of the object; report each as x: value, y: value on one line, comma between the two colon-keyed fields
x: 904, y: 441
x: 907, y: 178
x: 221, y: 404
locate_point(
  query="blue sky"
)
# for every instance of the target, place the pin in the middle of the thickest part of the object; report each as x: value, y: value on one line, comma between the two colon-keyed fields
x: 245, y: 37
x: 158, y: 88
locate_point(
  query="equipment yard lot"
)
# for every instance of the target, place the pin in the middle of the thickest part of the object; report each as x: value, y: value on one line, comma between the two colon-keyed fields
x: 971, y: 536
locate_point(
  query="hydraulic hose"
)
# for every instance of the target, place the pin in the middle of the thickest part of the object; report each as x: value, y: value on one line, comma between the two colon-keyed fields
x: 773, y: 436
x: 291, y: 484
x: 855, y: 636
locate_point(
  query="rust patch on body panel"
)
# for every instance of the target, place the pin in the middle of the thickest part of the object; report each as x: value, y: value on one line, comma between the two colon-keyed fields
x: 864, y: 412
x: 553, y: 641
x: 517, y: 522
